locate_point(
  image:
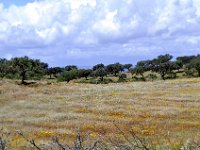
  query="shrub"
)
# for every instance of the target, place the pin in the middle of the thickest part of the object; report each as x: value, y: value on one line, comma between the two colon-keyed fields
x: 190, y: 72
x: 171, y: 75
x: 68, y: 75
x: 122, y: 77
x: 152, y: 76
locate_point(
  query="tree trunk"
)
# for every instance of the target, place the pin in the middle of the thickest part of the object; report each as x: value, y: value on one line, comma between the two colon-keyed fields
x: 101, y: 78
x: 23, y: 74
x: 199, y: 73
x: 163, y: 76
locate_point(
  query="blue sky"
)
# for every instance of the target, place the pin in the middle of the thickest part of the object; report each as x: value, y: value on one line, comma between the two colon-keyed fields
x: 7, y: 3
x: 87, y: 32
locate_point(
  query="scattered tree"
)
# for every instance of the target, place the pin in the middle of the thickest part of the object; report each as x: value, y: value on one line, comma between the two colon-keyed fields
x: 114, y: 68
x: 54, y: 71
x: 128, y: 66
x: 162, y: 65
x: 24, y: 66
x: 68, y: 75
x: 70, y: 67
x: 141, y: 67
x: 179, y: 64
x: 98, y: 66
x: 101, y: 72
x: 85, y: 73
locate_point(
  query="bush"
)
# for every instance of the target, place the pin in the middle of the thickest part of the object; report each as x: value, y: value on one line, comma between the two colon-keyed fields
x: 152, y: 76
x: 171, y: 75
x: 135, y: 78
x: 190, y: 73
x: 122, y: 77
x: 68, y: 76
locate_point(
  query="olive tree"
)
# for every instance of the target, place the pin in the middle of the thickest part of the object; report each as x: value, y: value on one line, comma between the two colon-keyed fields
x: 25, y: 66
x: 85, y: 73
x: 101, y: 72
x: 114, y: 68
x: 54, y: 71
x: 68, y: 75
x: 163, y: 65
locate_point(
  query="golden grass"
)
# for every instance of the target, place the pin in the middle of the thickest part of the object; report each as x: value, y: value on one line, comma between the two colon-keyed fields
x: 163, y: 111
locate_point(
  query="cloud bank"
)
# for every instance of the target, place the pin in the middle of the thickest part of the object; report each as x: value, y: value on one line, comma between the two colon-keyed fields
x: 91, y: 31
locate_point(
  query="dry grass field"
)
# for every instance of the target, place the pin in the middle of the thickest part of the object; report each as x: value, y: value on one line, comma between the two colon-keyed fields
x: 167, y: 113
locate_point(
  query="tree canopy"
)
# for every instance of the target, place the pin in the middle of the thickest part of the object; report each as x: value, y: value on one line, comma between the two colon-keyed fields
x: 27, y: 67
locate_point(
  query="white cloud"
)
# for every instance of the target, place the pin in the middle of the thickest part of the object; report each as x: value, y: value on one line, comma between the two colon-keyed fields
x: 84, y: 28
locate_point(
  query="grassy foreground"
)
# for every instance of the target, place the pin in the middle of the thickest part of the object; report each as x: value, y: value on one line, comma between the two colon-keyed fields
x: 167, y: 113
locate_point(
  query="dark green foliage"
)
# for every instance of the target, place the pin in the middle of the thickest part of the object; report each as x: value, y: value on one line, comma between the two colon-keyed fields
x: 26, y: 67
x: 141, y: 67
x: 85, y: 73
x: 5, y: 68
x: 127, y: 66
x: 163, y: 58
x: 163, y: 65
x: 68, y: 75
x: 114, y: 68
x: 179, y: 64
x: 185, y: 59
x: 54, y: 71
x: 101, y: 72
x: 70, y: 67
x: 98, y: 66
x: 195, y: 64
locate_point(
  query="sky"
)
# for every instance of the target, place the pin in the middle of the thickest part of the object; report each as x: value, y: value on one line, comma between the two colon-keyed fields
x: 87, y: 32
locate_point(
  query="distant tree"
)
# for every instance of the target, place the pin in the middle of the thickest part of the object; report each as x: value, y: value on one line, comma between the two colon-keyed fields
x: 114, y: 68
x: 179, y: 64
x: 163, y: 58
x: 4, y: 67
x: 70, y: 67
x: 139, y: 70
x: 162, y: 65
x: 68, y: 75
x: 45, y: 66
x: 98, y: 66
x: 185, y: 59
x: 128, y: 66
x: 85, y: 73
x: 50, y: 72
x: 54, y: 71
x: 141, y: 67
x: 195, y: 63
x: 101, y: 72
x: 24, y: 66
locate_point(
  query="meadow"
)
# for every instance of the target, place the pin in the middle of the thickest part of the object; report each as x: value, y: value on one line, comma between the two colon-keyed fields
x: 165, y: 113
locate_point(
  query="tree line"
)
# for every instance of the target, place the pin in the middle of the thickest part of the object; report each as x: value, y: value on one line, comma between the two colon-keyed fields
x: 25, y: 68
